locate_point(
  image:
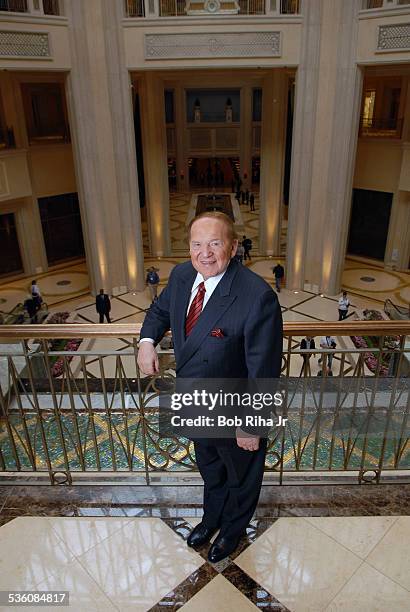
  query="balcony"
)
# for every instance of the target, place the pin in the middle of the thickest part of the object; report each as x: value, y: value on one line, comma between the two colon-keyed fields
x: 46, y: 7
x: 383, y: 4
x: 14, y: 6
x: 380, y: 127
x: 51, y: 7
x: 69, y: 411
x: 201, y: 8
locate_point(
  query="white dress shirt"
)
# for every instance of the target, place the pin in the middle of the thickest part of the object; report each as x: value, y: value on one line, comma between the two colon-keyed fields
x: 343, y: 303
x: 210, y: 286
x: 35, y: 290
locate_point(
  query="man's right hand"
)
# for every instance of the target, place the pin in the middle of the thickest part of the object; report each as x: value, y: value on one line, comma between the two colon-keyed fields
x: 148, y: 358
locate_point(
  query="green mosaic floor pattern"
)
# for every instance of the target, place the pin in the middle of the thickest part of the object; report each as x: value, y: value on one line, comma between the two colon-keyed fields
x: 119, y: 445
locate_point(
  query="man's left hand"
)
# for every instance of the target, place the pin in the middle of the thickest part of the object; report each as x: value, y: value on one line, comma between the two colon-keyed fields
x: 247, y: 441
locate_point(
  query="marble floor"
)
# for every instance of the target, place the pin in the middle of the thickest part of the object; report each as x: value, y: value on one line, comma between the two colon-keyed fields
x: 67, y: 287
x: 308, y: 549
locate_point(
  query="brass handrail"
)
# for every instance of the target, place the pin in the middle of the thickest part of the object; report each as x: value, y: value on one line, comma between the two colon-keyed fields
x: 121, y: 330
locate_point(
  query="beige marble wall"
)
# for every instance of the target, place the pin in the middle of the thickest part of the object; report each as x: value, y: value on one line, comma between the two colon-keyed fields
x: 57, y: 31
x: 135, y: 31
x: 369, y: 22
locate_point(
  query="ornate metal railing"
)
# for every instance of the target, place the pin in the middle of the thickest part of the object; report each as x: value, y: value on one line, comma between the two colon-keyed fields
x: 395, y: 312
x: 47, y: 7
x: 71, y: 408
x: 381, y: 128
x: 14, y: 6
x: 377, y: 4
x: 180, y: 8
x: 51, y: 7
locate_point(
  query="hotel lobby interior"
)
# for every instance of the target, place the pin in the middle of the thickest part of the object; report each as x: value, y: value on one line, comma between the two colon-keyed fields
x: 120, y: 121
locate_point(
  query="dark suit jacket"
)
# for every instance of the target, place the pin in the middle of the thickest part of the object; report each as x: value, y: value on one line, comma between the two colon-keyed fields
x: 243, y: 306
x: 102, y: 303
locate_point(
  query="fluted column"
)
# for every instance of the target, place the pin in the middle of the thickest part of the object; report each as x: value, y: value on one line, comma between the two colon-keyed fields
x: 246, y: 137
x: 328, y: 94
x: 398, y: 240
x: 155, y: 163
x: 180, y: 139
x: 100, y: 107
x: 274, y: 97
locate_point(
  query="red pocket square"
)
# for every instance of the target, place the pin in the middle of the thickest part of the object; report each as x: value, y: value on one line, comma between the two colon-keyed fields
x: 217, y: 333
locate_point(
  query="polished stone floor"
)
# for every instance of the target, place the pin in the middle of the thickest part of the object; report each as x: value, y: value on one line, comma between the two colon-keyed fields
x: 311, y: 548
x: 67, y: 287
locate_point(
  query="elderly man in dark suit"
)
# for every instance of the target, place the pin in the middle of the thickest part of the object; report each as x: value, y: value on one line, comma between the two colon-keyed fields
x: 214, y: 292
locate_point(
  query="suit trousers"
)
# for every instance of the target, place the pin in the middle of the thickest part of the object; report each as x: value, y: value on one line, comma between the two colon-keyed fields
x: 232, y: 483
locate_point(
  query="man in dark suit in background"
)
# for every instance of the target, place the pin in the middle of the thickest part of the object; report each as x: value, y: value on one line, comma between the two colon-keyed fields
x: 213, y: 293
x: 103, y: 306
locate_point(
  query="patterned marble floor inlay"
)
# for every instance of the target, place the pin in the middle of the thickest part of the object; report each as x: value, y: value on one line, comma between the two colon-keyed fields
x: 285, y: 564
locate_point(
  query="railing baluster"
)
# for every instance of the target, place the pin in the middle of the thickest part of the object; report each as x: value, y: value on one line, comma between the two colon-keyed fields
x: 90, y: 413
x: 74, y: 413
x: 57, y: 415
x: 297, y: 447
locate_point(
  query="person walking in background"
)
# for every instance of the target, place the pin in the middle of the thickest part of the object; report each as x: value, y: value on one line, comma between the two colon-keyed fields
x: 279, y: 273
x: 152, y: 282
x: 31, y: 309
x: 239, y: 253
x: 328, y: 342
x: 343, y: 306
x: 247, y: 245
x: 307, y: 344
x: 103, y: 306
x: 252, y: 202
x: 247, y: 196
x: 36, y: 294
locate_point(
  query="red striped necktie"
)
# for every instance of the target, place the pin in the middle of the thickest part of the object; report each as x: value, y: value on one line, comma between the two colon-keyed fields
x: 195, y: 309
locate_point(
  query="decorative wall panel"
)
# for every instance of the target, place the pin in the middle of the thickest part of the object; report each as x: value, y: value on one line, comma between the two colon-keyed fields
x: 200, y: 139
x: 227, y: 138
x: 24, y: 44
x: 234, y: 44
x: 393, y: 37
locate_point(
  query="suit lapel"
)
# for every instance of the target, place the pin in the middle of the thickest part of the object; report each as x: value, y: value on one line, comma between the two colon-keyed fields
x: 219, y: 302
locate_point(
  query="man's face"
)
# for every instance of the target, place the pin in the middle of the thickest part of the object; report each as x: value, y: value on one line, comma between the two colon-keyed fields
x: 210, y: 247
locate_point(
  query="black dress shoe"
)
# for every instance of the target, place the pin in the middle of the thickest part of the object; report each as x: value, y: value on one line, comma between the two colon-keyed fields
x: 223, y: 547
x: 200, y: 535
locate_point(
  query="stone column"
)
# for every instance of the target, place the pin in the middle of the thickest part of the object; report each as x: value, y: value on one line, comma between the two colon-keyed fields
x: 180, y: 139
x: 31, y: 237
x: 246, y: 137
x: 274, y: 99
x: 398, y: 240
x: 100, y: 108
x: 328, y: 96
x: 30, y: 232
x: 155, y: 163
x: 397, y: 253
